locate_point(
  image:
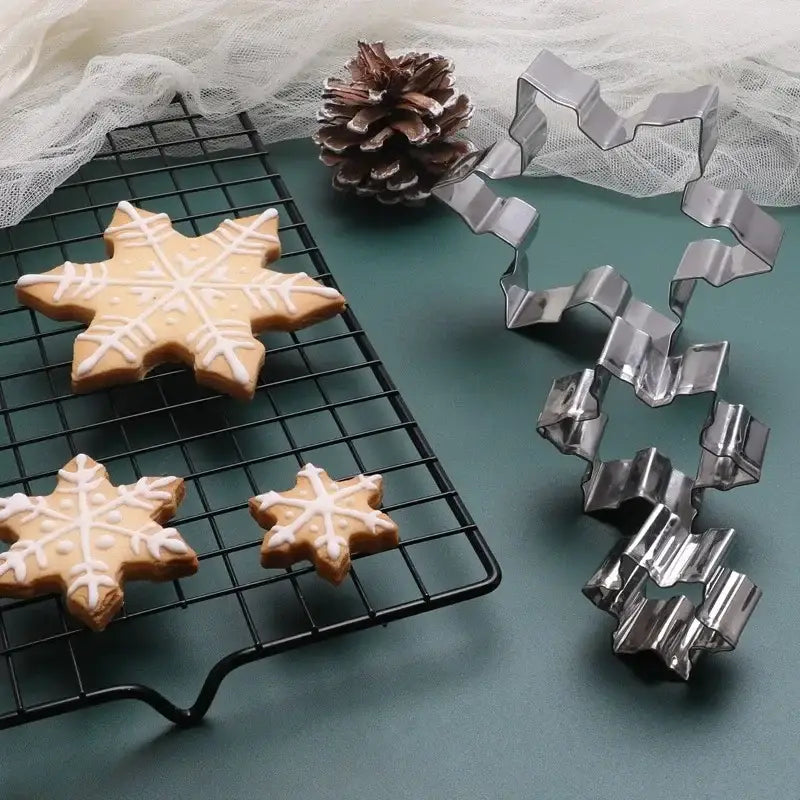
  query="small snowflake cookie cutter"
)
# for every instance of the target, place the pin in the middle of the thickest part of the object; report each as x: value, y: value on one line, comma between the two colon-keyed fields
x: 638, y: 350
x: 664, y: 550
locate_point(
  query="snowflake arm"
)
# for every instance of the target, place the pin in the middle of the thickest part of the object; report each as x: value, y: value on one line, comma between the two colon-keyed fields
x: 69, y: 282
x: 160, y: 496
x: 224, y: 339
x: 280, y: 292
x: 16, y: 504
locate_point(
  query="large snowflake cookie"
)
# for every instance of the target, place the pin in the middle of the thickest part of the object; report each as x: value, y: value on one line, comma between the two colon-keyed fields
x: 161, y: 296
x: 89, y: 536
x: 324, y: 521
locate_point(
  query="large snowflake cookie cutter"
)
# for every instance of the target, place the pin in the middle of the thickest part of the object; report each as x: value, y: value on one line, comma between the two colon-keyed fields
x: 162, y: 296
x: 638, y: 351
x: 514, y: 221
x: 89, y: 536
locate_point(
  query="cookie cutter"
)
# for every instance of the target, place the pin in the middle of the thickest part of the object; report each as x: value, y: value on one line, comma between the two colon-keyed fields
x: 732, y: 448
x: 638, y: 350
x: 665, y: 552
x: 514, y: 221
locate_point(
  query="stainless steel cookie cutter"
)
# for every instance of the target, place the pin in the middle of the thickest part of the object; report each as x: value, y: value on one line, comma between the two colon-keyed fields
x: 665, y: 552
x: 732, y: 445
x: 638, y: 350
x: 514, y: 221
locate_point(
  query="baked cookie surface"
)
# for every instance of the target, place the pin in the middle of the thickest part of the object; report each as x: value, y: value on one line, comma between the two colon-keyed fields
x: 162, y: 296
x: 89, y: 536
x: 323, y: 521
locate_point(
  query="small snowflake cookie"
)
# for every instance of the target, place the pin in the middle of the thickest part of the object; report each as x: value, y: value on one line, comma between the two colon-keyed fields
x: 161, y: 296
x: 89, y: 536
x: 323, y: 521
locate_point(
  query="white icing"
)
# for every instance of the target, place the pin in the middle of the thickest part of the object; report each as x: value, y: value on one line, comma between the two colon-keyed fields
x: 14, y: 559
x: 244, y: 241
x: 140, y: 231
x: 326, y: 505
x: 223, y: 338
x: 169, y: 539
x: 332, y: 543
x: 76, y: 280
x: 183, y: 285
x: 95, y: 523
x: 14, y: 504
x: 115, y: 333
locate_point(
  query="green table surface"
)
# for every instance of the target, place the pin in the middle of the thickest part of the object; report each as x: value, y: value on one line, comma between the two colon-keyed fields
x: 515, y: 694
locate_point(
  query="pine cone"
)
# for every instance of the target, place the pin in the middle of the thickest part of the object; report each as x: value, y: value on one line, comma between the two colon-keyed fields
x: 385, y: 132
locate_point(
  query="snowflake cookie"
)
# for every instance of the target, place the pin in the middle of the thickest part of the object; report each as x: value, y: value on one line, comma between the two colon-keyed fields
x: 161, y: 296
x: 89, y: 536
x: 324, y: 521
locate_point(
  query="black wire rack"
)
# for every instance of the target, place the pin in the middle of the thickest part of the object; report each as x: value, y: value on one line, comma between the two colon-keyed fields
x: 323, y: 396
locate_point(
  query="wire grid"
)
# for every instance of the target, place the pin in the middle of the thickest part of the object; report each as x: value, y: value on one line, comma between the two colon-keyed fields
x: 323, y: 396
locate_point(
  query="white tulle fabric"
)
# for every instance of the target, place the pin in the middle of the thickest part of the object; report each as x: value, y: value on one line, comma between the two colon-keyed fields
x: 71, y: 70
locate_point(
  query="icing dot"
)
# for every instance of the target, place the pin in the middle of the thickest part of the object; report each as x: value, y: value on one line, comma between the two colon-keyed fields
x: 242, y: 270
x: 313, y: 528
x: 47, y: 525
x: 105, y: 541
x: 64, y: 546
x: 194, y: 246
x: 343, y: 523
x: 303, y: 493
x: 65, y: 504
x: 114, y: 300
x: 289, y: 514
x: 98, y: 498
x: 114, y: 517
x: 234, y: 306
x: 170, y: 320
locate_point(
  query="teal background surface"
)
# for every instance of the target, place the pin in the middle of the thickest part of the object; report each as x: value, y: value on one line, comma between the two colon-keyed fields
x: 516, y: 694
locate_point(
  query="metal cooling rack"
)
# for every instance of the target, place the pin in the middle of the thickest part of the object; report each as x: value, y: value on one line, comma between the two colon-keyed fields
x: 324, y: 396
